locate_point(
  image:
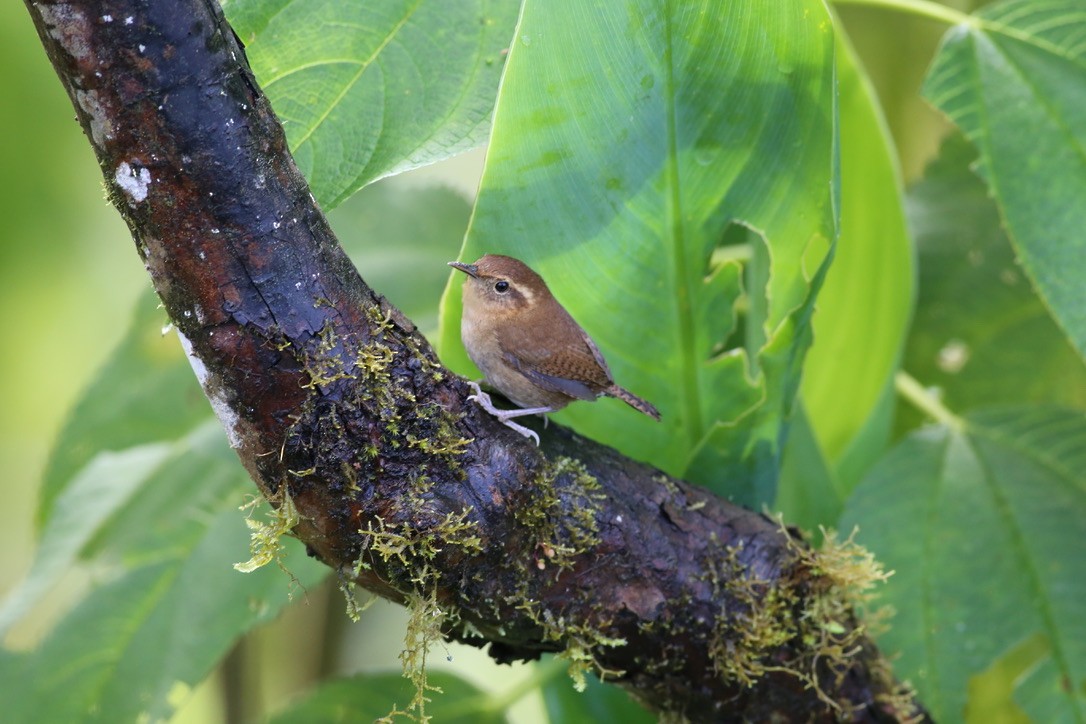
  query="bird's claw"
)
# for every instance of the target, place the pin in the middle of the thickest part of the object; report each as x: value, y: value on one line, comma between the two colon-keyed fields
x: 522, y: 430
x: 483, y: 400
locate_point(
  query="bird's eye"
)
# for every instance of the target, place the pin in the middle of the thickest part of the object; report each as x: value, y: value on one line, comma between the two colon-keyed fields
x: 501, y: 287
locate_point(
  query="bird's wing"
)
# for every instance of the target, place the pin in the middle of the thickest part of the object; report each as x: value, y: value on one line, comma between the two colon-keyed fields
x: 574, y: 388
x: 563, y: 359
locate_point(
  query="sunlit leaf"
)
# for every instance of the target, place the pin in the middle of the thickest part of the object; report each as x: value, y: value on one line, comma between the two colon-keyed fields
x: 1013, y: 80
x: 865, y: 305
x: 369, y: 89
x: 618, y: 169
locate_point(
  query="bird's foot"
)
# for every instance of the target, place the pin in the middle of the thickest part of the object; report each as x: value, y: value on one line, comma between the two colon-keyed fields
x: 505, y: 416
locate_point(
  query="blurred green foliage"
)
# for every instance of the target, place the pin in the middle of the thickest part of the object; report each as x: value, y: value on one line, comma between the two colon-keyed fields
x: 989, y: 586
x: 68, y: 274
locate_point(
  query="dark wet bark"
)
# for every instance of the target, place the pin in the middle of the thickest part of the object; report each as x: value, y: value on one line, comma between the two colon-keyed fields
x: 331, y: 398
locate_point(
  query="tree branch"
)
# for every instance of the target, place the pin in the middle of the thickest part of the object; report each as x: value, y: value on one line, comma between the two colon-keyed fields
x: 337, y: 406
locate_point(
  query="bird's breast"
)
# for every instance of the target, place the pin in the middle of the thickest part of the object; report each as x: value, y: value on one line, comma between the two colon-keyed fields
x: 482, y: 339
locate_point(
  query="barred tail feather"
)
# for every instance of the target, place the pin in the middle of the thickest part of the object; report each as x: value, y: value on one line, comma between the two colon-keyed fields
x: 633, y: 401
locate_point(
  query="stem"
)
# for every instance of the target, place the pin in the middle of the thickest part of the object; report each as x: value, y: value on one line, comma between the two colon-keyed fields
x: 922, y: 8
x: 916, y: 394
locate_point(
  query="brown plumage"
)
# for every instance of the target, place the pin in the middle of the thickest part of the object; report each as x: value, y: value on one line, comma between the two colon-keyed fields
x: 527, y: 345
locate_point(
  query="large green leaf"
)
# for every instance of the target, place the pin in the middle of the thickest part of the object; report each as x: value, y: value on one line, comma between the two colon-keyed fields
x: 981, y: 335
x: 91, y: 498
x: 865, y: 305
x: 633, y: 140
x: 985, y: 528
x: 170, y: 604
x: 368, y: 697
x: 1014, y: 80
x: 369, y: 89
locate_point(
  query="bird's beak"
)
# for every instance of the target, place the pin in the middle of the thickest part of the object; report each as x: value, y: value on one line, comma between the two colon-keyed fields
x: 470, y: 269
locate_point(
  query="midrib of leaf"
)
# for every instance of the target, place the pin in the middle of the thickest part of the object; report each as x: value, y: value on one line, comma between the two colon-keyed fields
x: 935, y: 11
x: 1018, y: 541
x: 307, y: 66
x: 1039, y: 99
x: 1031, y: 35
x: 361, y: 71
x: 683, y: 303
x: 1032, y: 452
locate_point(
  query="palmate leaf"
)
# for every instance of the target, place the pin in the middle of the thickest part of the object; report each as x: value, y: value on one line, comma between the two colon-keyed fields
x: 670, y: 171
x: 1014, y: 81
x: 985, y: 528
x: 369, y: 89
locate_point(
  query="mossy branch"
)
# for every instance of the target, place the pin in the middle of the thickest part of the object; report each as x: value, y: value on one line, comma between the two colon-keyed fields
x: 334, y: 402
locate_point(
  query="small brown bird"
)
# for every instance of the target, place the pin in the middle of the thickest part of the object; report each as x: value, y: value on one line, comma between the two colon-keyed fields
x: 527, y: 345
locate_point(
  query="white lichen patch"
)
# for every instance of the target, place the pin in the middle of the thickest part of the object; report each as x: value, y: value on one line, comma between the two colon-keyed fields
x: 101, y: 127
x: 134, y: 181
x: 68, y: 26
x: 227, y: 415
x: 197, y: 364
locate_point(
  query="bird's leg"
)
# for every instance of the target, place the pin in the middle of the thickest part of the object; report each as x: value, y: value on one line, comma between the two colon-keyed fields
x: 505, y: 416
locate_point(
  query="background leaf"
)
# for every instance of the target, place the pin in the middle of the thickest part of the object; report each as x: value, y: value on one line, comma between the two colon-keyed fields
x: 367, y: 697
x: 865, y: 306
x: 145, y: 393
x: 597, y: 703
x: 369, y: 89
x: 1013, y: 82
x: 808, y: 494
x: 617, y: 169
x: 981, y: 335
x: 400, y: 238
x: 985, y: 529
x: 106, y: 484
x: 169, y: 604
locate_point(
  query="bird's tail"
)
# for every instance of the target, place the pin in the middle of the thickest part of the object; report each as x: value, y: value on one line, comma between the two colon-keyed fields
x: 633, y: 401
